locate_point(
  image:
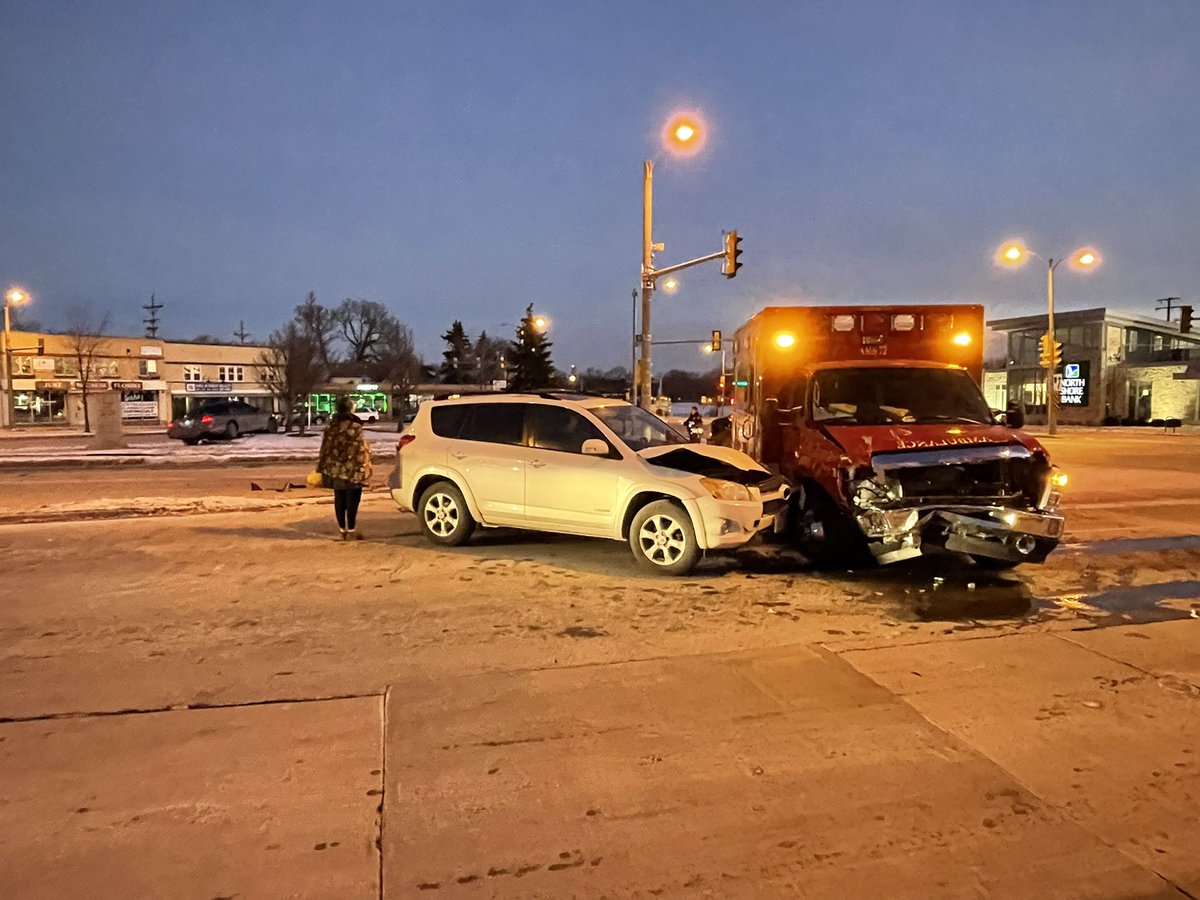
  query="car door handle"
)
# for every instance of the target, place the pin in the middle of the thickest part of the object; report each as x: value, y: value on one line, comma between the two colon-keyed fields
x: 458, y: 454
x: 536, y: 463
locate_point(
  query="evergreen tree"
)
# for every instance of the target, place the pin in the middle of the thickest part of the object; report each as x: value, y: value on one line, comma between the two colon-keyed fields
x: 531, y: 367
x: 458, y: 356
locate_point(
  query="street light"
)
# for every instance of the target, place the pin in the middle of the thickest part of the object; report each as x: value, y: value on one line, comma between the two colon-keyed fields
x: 14, y: 297
x: 1015, y: 253
x: 683, y: 135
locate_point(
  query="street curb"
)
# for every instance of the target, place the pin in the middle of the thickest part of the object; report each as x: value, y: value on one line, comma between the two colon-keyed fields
x: 109, y: 462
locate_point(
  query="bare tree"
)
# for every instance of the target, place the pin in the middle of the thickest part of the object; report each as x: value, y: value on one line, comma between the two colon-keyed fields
x: 490, y: 358
x: 85, y: 337
x: 292, y: 367
x: 398, y: 362
x: 362, y: 324
x: 319, y: 324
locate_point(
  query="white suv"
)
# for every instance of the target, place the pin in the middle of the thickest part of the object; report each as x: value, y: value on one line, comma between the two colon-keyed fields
x: 582, y: 465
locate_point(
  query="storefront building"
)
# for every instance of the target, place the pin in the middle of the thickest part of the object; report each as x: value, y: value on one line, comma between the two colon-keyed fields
x: 156, y: 379
x: 1118, y: 368
x: 49, y: 371
x: 196, y: 372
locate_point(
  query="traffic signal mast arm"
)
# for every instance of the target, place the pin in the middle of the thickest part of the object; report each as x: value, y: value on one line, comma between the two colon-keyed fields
x: 728, y: 254
x: 655, y: 273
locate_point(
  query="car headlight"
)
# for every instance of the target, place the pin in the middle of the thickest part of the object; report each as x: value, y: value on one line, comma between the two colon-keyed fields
x: 725, y: 490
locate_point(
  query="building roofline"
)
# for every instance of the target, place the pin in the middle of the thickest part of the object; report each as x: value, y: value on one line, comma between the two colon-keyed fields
x: 1121, y: 316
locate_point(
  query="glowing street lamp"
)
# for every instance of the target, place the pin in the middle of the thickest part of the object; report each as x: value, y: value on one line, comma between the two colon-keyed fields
x: 14, y: 297
x: 1015, y: 253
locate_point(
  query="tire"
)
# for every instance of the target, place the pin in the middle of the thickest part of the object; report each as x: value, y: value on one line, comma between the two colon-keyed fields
x: 191, y: 442
x: 663, y: 540
x: 823, y: 534
x: 272, y: 425
x: 443, y: 515
x: 231, y: 430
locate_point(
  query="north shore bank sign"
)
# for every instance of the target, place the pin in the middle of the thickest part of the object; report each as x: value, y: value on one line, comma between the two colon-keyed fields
x: 1073, y: 384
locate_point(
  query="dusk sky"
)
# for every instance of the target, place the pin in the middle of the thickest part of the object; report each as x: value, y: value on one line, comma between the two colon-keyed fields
x: 463, y: 160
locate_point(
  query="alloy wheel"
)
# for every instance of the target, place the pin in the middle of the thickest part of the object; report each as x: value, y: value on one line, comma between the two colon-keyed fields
x: 662, y: 540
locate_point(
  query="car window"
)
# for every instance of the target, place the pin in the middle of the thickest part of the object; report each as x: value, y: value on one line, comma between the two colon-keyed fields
x: 213, y: 409
x: 496, y: 423
x: 447, y: 421
x: 556, y: 428
x: 636, y: 427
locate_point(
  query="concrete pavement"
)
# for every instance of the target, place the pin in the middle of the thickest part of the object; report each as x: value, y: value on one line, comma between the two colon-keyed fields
x: 1019, y: 765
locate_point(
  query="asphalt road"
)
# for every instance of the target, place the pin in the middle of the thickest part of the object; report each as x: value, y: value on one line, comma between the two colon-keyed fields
x: 235, y: 703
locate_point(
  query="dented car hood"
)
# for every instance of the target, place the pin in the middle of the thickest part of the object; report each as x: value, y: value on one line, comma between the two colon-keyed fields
x: 861, y: 442
x: 708, y: 461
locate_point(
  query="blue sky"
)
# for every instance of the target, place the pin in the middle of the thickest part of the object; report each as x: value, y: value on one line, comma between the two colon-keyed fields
x: 462, y: 160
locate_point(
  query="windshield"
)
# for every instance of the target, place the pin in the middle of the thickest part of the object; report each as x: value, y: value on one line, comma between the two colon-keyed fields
x: 892, y: 396
x: 636, y: 427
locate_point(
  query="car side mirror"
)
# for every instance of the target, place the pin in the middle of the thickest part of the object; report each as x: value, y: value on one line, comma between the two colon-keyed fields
x: 594, y: 447
x: 1014, y: 418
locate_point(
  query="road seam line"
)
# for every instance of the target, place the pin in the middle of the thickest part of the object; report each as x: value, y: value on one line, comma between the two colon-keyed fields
x: 104, y: 713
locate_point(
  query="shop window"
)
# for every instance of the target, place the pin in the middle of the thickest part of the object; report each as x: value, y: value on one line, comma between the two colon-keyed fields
x: 66, y: 365
x: 193, y: 373
x: 104, y: 368
x: 22, y: 365
x: 230, y: 373
x: 148, y: 368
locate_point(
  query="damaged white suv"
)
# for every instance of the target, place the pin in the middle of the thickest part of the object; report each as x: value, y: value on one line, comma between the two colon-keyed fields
x: 577, y: 464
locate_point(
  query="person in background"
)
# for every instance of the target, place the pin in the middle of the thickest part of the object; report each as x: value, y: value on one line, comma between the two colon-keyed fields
x: 345, y: 466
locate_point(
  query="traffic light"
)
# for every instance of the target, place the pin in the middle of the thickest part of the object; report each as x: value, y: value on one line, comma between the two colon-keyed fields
x: 733, y: 250
x: 1051, y: 352
x: 1185, y: 319
x: 716, y: 341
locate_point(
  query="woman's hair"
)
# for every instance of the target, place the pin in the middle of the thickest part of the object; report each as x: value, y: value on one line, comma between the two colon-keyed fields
x: 343, y: 408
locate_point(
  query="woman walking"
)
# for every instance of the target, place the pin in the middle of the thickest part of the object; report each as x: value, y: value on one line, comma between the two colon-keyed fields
x: 345, y: 466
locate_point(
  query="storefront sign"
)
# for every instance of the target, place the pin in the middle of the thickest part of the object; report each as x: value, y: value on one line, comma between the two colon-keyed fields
x: 91, y: 385
x: 1073, y: 384
x: 43, y: 365
x: 127, y: 385
x: 52, y: 385
x: 148, y: 350
x: 139, y: 409
x: 208, y: 387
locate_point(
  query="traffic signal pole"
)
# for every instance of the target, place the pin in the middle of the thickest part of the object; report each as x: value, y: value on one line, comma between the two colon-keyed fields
x: 643, y: 378
x: 1051, y: 385
x: 645, y: 388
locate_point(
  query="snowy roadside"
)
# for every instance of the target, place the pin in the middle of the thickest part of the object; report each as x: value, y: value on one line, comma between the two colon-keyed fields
x: 144, y: 507
x: 246, y: 449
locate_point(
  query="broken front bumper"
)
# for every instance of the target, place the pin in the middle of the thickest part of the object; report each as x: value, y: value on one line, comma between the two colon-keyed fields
x: 1012, y: 535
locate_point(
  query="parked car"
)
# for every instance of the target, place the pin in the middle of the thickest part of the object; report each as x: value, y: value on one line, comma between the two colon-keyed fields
x: 221, y: 419
x: 367, y: 416
x: 579, y: 465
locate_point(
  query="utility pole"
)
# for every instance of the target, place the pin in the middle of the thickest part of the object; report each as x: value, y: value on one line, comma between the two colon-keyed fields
x: 1167, y: 304
x: 151, y: 322
x: 241, y: 334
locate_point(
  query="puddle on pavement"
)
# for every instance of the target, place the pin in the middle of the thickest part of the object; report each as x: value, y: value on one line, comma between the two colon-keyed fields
x: 1115, y: 546
x: 933, y: 589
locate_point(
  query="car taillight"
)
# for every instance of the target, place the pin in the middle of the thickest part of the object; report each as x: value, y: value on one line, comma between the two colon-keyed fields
x: 405, y: 440
x: 206, y: 420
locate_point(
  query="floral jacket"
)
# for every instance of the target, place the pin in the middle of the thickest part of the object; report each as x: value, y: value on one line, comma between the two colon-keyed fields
x: 344, y: 453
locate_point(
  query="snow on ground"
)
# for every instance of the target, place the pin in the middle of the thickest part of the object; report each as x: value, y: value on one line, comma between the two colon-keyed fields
x: 127, y: 507
x: 245, y: 448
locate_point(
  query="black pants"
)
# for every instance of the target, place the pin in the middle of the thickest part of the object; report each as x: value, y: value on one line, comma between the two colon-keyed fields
x: 345, y: 506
